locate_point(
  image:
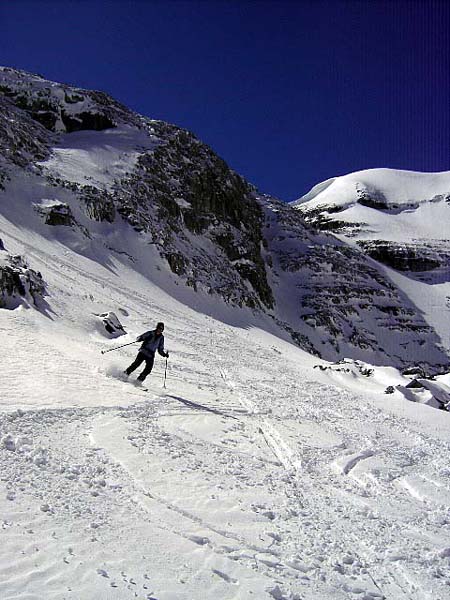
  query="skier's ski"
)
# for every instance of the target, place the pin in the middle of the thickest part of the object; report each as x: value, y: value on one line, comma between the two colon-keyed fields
x: 138, y: 386
x: 134, y: 382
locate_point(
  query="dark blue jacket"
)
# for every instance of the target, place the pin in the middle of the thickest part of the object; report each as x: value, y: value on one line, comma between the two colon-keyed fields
x: 151, y: 343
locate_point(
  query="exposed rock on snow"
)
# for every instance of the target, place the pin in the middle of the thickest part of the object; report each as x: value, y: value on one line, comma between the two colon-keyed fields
x: 430, y: 392
x: 60, y: 107
x: 99, y: 204
x: 406, y: 256
x: 18, y: 283
x: 218, y: 210
x: 56, y: 213
x: 22, y: 140
x: 343, y: 305
x: 110, y: 325
x: 400, y: 219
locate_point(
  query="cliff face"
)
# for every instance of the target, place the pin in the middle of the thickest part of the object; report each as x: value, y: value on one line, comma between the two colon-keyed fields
x: 183, y: 194
x: 398, y: 219
x: 339, y: 304
x: 171, y: 188
x: 82, y: 168
x: 420, y: 257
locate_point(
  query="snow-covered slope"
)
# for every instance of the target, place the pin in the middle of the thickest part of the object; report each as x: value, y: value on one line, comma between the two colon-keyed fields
x: 253, y: 474
x: 400, y: 219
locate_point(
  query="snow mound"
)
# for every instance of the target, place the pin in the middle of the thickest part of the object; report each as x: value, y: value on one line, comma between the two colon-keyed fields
x: 399, y: 188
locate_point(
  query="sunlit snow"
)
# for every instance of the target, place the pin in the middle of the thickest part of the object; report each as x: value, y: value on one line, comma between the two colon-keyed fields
x: 252, y: 474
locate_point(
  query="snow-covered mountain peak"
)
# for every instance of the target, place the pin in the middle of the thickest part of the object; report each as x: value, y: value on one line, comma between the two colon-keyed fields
x: 381, y: 203
x: 398, y: 188
x: 399, y: 218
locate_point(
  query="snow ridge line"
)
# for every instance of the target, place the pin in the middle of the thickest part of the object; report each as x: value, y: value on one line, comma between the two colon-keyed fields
x: 273, y: 437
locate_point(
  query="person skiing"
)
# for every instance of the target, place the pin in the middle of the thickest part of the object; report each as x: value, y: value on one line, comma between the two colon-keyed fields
x: 152, y: 341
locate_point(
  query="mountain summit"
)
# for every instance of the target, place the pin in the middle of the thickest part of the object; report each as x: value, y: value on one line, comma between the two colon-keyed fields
x: 400, y: 219
x: 86, y: 174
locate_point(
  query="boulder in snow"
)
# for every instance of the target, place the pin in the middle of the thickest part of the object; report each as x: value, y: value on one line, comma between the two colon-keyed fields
x: 55, y: 213
x: 18, y: 283
x: 110, y: 325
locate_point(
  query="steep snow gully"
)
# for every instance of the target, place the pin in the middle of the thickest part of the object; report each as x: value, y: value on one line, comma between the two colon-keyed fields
x: 252, y: 475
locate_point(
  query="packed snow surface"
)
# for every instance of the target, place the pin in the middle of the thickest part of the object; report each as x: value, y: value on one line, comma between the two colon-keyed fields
x: 252, y: 474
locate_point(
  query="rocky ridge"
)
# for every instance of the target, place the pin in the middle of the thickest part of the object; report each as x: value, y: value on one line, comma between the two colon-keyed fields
x: 345, y: 307
x: 177, y: 193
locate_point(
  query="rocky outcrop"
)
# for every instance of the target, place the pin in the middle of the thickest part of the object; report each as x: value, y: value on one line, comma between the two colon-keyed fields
x: 371, y: 198
x: 405, y: 256
x: 56, y: 213
x: 182, y: 193
x: 99, y: 205
x: 22, y: 140
x: 341, y: 303
x: 109, y: 325
x: 86, y: 120
x: 322, y: 218
x: 18, y: 283
x: 427, y: 391
x: 60, y: 107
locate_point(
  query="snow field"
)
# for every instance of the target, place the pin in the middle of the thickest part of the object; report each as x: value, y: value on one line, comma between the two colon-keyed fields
x: 97, y: 158
x: 252, y: 475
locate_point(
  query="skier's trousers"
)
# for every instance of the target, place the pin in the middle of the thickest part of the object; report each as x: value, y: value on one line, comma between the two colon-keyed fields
x: 140, y: 358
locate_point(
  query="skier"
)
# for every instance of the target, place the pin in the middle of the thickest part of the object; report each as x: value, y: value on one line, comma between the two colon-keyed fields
x: 152, y: 341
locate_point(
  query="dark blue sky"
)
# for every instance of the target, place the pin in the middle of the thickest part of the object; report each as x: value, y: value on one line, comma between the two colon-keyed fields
x: 289, y: 93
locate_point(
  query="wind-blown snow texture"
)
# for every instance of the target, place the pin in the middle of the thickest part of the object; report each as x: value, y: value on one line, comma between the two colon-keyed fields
x: 260, y: 471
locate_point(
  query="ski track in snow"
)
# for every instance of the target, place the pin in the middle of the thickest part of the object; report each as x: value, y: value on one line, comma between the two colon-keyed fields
x: 245, y: 478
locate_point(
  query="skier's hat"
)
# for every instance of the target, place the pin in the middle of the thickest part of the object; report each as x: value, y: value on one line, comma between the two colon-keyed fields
x: 160, y: 326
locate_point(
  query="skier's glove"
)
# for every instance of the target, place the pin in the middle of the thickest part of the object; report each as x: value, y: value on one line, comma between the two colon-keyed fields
x: 167, y: 355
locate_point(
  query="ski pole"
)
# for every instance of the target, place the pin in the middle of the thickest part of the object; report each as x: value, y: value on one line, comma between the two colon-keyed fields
x: 165, y: 374
x: 122, y: 346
